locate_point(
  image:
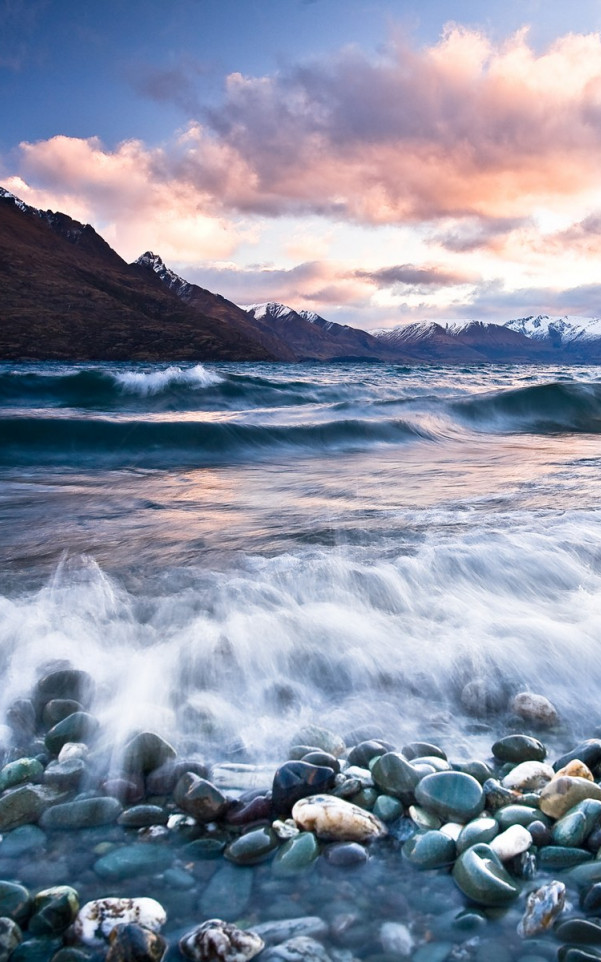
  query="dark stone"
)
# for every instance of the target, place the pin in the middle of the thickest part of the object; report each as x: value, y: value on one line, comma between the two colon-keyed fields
x: 396, y: 776
x: 244, y: 813
x: 66, y: 683
x: 163, y: 779
x: 141, y: 816
x: 23, y: 805
x: 58, y: 709
x: 146, y: 752
x: 10, y: 936
x: 128, y: 790
x: 20, y: 717
x: 570, y: 953
x: 362, y: 754
x: 295, y: 780
x: 345, y: 854
x: 70, y: 954
x: 541, y: 834
x: 519, y: 748
x: 65, y: 775
x: 421, y: 750
x: 82, y: 813
x: 26, y: 838
x: 135, y: 943
x: 78, y: 727
x: 428, y: 850
x: 15, y: 902
x: 129, y: 861
x: 36, y: 950
x: 590, y: 899
x: 562, y: 856
x: 588, y: 751
x: 54, y: 910
x: 322, y: 759
x: 200, y: 798
x: 204, y: 849
x: 580, y: 931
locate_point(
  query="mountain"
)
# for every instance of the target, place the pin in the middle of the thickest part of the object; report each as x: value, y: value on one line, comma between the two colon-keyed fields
x: 474, y: 341
x: 574, y: 337
x: 312, y: 338
x: 67, y: 295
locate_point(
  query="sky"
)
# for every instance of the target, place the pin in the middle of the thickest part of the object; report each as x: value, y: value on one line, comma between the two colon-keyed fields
x: 378, y: 162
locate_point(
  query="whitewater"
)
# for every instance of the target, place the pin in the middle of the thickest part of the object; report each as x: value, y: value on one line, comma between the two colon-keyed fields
x: 232, y: 550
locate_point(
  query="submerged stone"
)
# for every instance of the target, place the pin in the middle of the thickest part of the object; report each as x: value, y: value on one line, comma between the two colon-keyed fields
x: 54, y: 910
x: 15, y: 902
x: 297, y: 855
x: 280, y: 930
x: 562, y: 856
x: 252, y: 847
x: 141, y: 858
x: 335, y: 819
x: 300, y: 949
x: 135, y: 943
x: 82, y: 813
x: 480, y: 875
x: 453, y: 796
x: 542, y: 909
x: 428, y: 850
x: 227, y: 892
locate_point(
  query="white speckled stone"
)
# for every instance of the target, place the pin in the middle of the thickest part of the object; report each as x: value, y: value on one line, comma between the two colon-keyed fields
x: 535, y: 708
x: 71, y: 750
x: 452, y: 830
x: 335, y: 819
x: 542, y: 908
x: 96, y: 920
x: 513, y: 841
x: 219, y: 941
x: 396, y: 939
x: 528, y: 776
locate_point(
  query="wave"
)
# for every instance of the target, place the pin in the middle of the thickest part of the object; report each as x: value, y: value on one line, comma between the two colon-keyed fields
x: 144, y: 442
x: 554, y: 407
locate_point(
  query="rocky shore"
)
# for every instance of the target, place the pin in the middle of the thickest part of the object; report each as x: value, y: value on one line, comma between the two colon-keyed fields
x: 352, y: 848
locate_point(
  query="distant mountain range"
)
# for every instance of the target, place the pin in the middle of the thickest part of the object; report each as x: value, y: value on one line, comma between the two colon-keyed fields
x: 65, y: 294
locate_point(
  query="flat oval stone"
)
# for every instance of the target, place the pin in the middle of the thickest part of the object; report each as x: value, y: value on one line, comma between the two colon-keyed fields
x: 335, y: 819
x: 528, y: 776
x: 26, y: 838
x: 453, y: 796
x: 482, y: 829
x: 480, y: 875
x: 395, y: 775
x: 588, y: 751
x: 252, y: 847
x: 24, y: 804
x: 141, y: 858
x: 296, y: 855
x: 519, y: 748
x: 19, y: 771
x: 561, y: 794
x: 562, y: 856
x: 82, y: 813
x: 542, y: 908
x: 570, y: 830
x: 428, y: 850
x: 218, y: 940
x: 581, y: 931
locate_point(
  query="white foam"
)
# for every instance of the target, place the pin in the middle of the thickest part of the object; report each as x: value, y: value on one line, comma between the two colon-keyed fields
x: 154, y: 382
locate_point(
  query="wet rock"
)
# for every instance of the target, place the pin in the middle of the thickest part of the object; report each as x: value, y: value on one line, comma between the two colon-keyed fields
x: 387, y: 808
x: 322, y: 738
x: 141, y: 816
x: 227, y: 891
x: 424, y: 819
x: 482, y: 829
x: 428, y: 850
x: 513, y: 841
x: 576, y: 769
x: 588, y: 751
x: 146, y: 752
x: 96, y: 920
x: 345, y: 854
x: 253, y: 810
x: 519, y: 748
x: 200, y: 798
x: 285, y: 829
x: 281, y: 930
x: 19, y: 771
x: 517, y: 815
x: 218, y: 941
x: 535, y: 709
x: 82, y: 813
x: 65, y: 775
x: 591, y: 899
x: 362, y: 754
x: 496, y: 796
x: 141, y: 858
x: 528, y: 776
x: 482, y: 697
x: 20, y: 717
x: 322, y: 759
x: 572, y: 953
x: 296, y: 856
x: 562, y: 794
x: 542, y: 909
x: 162, y: 780
x: 15, y: 902
x: 26, y: 838
x: 134, y: 943
x: 78, y: 727
x: 54, y: 910
x: 586, y: 875
x: 396, y: 939
x: 552, y: 857
x: 541, y: 833
x: 66, y: 683
x: 300, y: 949
x: 480, y: 875
x: 451, y: 795
x: 422, y: 749
x: 59, y: 708
x: 10, y: 937
x: 22, y: 805
x: 36, y: 950
x: 335, y: 819
x: 252, y: 847
x: 577, y: 824
x: 580, y: 931
x: 295, y: 780
x: 395, y: 775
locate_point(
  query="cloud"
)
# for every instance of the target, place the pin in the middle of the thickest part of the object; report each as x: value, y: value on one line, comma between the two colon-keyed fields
x: 414, y: 276
x: 476, y: 233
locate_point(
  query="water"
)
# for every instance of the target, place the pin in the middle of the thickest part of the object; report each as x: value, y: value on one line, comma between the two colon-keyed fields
x: 234, y: 549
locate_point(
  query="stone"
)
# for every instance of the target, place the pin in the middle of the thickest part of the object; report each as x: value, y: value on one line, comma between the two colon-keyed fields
x: 10, y: 937
x: 421, y: 749
x: 15, y: 902
x: 528, y: 776
x: 162, y: 780
x: 228, y: 891
x: 424, y: 819
x: 517, y: 815
x: 82, y: 813
x: 200, y: 798
x: 513, y: 841
x: 541, y: 834
x: 576, y: 769
x: 481, y: 771
x: 78, y: 727
x: 204, y: 849
x: 428, y: 850
x: 562, y: 794
x: 562, y: 856
x: 482, y: 829
x: 96, y: 919
x: 20, y: 717
x: 591, y: 899
x: 387, y: 808
x: 453, y: 796
x: 58, y: 708
x: 542, y: 909
x: 480, y: 875
x: 252, y: 847
x: 135, y: 943
x: 363, y: 753
x: 21, y: 770
x: 127, y: 790
x: 140, y: 858
x: 345, y: 854
x: 572, y: 953
x: 396, y: 939
x: 26, y: 838
x: 295, y: 780
x: 146, y: 752
x: 65, y: 775
x: 322, y: 738
x: 588, y: 752
x: 580, y: 931
x: 535, y: 709
x: 395, y: 775
x: 577, y: 824
x: 285, y: 829
x: 482, y: 697
x: 141, y: 816
x: 496, y: 796
x: 54, y: 910
x: 335, y: 819
x: 22, y: 805
x: 281, y: 930
x: 322, y: 759
x: 36, y: 950
x: 300, y: 949
x: 69, y: 683
x: 519, y: 748
x: 451, y: 830
x: 296, y: 856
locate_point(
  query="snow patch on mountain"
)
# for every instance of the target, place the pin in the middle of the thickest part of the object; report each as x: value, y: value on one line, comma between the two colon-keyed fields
x: 268, y: 309
x: 564, y: 330
x: 171, y: 280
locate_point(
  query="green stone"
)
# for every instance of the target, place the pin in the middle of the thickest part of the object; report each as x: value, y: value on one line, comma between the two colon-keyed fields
x: 453, y: 796
x: 574, y: 827
x: 27, y: 838
x: 519, y: 748
x: 477, y: 769
x: 366, y: 798
x: 141, y: 816
x: 15, y: 902
x: 296, y: 855
x: 36, y: 950
x: 562, y: 856
x: 387, y: 808
x: 54, y: 910
x: 428, y: 850
x: 395, y: 776
x: 227, y: 893
x: 78, y: 727
x: 82, y: 813
x: 518, y: 815
x: 252, y: 847
x: 480, y: 875
x: 424, y: 819
x: 586, y: 875
x: 128, y: 861
x: 21, y: 770
x: 482, y: 829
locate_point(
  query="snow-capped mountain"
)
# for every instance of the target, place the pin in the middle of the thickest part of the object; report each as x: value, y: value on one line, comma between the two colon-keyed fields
x: 169, y: 278
x: 311, y: 337
x: 569, y: 329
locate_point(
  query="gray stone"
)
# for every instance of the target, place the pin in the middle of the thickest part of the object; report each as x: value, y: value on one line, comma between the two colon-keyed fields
x: 588, y: 751
x: 281, y: 930
x: 480, y: 875
x: 82, y: 813
x: 451, y: 795
x: 134, y: 943
x: 59, y: 708
x: 227, y: 893
x: 22, y: 805
x: 10, y: 937
x: 300, y: 949
x: 141, y: 858
x: 65, y: 775
x: 200, y: 798
x: 396, y: 939
x: 252, y: 847
x: 78, y: 727
x: 146, y: 752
